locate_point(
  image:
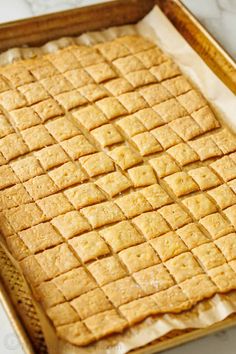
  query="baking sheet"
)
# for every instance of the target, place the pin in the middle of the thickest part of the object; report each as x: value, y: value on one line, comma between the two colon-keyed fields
x: 156, y: 27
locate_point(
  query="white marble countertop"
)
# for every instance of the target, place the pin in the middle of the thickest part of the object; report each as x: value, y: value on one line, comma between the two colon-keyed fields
x: 219, y: 17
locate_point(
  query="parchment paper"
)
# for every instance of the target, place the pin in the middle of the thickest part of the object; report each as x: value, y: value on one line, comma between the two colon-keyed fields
x: 156, y: 27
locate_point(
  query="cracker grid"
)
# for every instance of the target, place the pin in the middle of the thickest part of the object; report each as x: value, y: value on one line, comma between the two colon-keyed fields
x: 110, y: 162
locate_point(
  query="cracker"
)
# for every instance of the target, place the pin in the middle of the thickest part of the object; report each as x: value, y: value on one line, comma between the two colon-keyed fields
x: 132, y: 101
x: 164, y: 165
x: 111, y: 107
x: 183, y: 154
x: 209, y: 255
x: 113, y: 183
x: 131, y: 125
x: 54, y: 205
x: 225, y: 141
x: 77, y: 147
x: 62, y: 129
x: 102, y: 214
x: 198, y: 288
x: 223, y: 196
x: 84, y: 195
x: 67, y: 174
x: 121, y: 235
x: 70, y: 224
x: 205, y: 148
x: 37, y: 137
x: 33, y: 92
x: 137, y: 310
x: 142, y: 176
x: 118, y: 86
x: 48, y: 109
x: 12, y: 146
x: 149, y: 118
x: 139, y: 257
x: 133, y: 204
x: 89, y: 246
x: 200, y: 205
x: 227, y: 245
x: 101, y: 72
x: 26, y: 168
x: 175, y: 215
x: 225, y: 167
x: 171, y: 110
x: 186, y: 128
x: 125, y: 157
x: 97, y: 164
x: 166, y: 136
x: 156, y: 196
x: 153, y: 279
x: 224, y: 277
x: 151, y: 224
x: 7, y: 177
x: 155, y: 94
x: 206, y: 119
x: 165, y: 70
x: 216, y: 225
x: 62, y: 314
x: 24, y: 118
x: 192, y: 235
x: 146, y: 143
x: 204, y: 177
x: 107, y: 135
x: 51, y: 156
x: 192, y: 100
x: 5, y: 126
x: 164, y: 300
x: 168, y: 246
x: 90, y: 117
x: 181, y: 183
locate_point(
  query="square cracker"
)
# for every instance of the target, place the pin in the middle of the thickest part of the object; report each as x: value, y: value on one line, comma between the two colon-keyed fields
x: 17, y: 247
x: 62, y: 128
x: 227, y: 245
x: 113, y: 183
x: 33, y: 92
x: 107, y: 135
x: 156, y: 196
x: 125, y: 157
x: 106, y: 270
x: 12, y: 99
x: 155, y: 94
x: 142, y: 176
x: 192, y: 100
x: 71, y: 99
x: 186, y: 128
x: 204, y: 177
x: 177, y: 85
x: 111, y: 107
x: 57, y: 260
x: 24, y: 118
x: 131, y: 125
x: 78, y: 77
x: 90, y: 117
x: 198, y: 288
x: 97, y: 164
x: 40, y: 237
x: 67, y: 174
x: 205, y: 148
x: 132, y: 101
x: 118, y: 86
x: 192, y: 235
x: 14, y: 196
x: 40, y: 186
x: 164, y: 165
x: 181, y: 183
x: 165, y: 70
x: 139, y: 257
x: 51, y: 156
x: 216, y: 225
x: 149, y: 118
x: 54, y: 205
x: 84, y: 195
x: 89, y: 246
x: 7, y: 176
x: 48, y: 109
x: 183, y: 154
x: 12, y: 146
x: 77, y: 147
x: 74, y: 282
x: 102, y: 214
x: 165, y: 303
x: 175, y: 215
x: 146, y: 143
x: 183, y: 266
x: 91, y: 303
x: 56, y: 84
x: 171, y: 110
x: 24, y: 216
x: 223, y: 196
x: 112, y: 50
x: 200, y: 205
x: 70, y: 224
x: 168, y: 246
x: 62, y: 314
x: 128, y: 64
x: 209, y: 255
x: 166, y: 136
x: 48, y: 294
x: 93, y: 92
x: 101, y: 72
x: 122, y: 291
x: 37, y: 137
x: 121, y: 235
x: 151, y: 57
x: 224, y: 277
x: 133, y: 204
x: 225, y: 141
x: 26, y: 168
x: 151, y: 224
x: 206, y: 119
x: 137, y: 310
x: 225, y: 167
x: 106, y: 323
x: 75, y: 333
x: 140, y: 78
x: 153, y: 279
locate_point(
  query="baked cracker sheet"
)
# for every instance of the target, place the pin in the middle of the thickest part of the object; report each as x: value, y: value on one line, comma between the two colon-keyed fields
x: 158, y: 29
